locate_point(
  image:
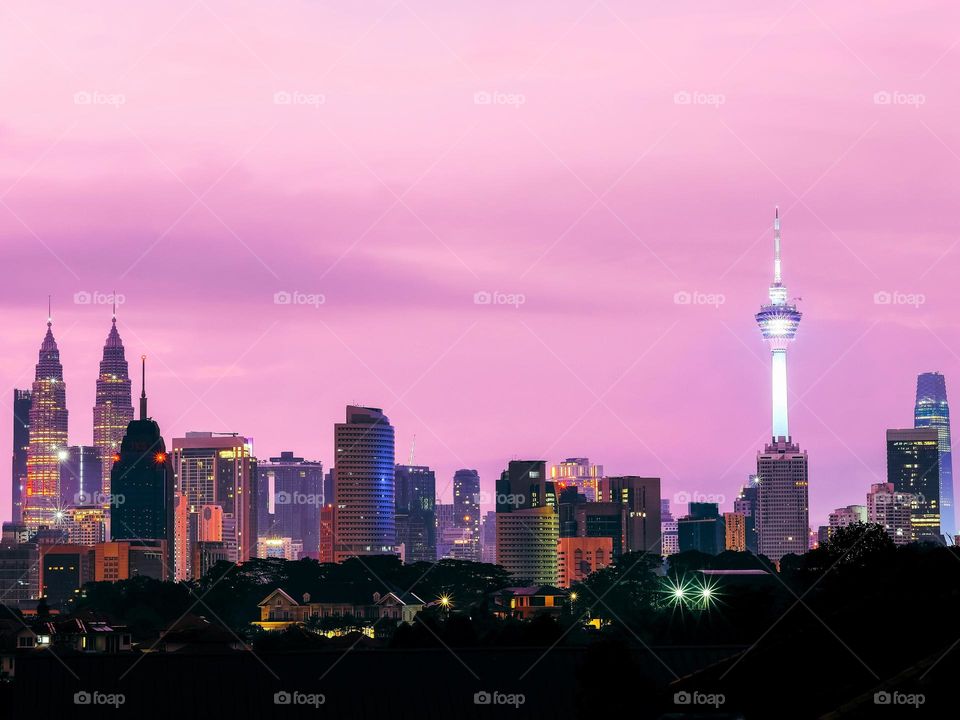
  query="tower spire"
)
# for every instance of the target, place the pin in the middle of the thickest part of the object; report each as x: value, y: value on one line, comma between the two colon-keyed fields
x: 143, y: 387
x: 49, y: 312
x: 776, y: 246
x: 114, y: 307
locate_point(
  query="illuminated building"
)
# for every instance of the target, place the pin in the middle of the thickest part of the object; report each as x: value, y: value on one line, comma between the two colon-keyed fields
x: 913, y: 466
x: 64, y: 568
x: 19, y: 565
x: 142, y: 487
x: 86, y: 525
x: 932, y: 410
x: 80, y: 476
x: 48, y: 436
x: 782, y: 514
x: 21, y: 447
x: 578, y: 473
x: 279, y: 547
x: 416, y: 522
x: 206, y: 555
x: 642, y: 499
x: 735, y: 532
x: 182, y: 540
x: 466, y: 512
x: 842, y: 517
x: 746, y: 504
x: 893, y: 510
x: 113, y: 410
x: 444, y: 522
x: 527, y: 544
x: 210, y: 523
x: 123, y: 560
x: 669, y: 542
x: 577, y: 557
x: 289, y: 497
x: 364, y: 484
x: 328, y: 532
x: 218, y: 469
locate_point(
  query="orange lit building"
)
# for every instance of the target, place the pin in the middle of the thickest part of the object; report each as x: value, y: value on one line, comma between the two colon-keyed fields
x: 736, y: 531
x: 577, y: 557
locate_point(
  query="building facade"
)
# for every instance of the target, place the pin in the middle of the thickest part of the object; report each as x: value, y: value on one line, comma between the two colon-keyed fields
x: 416, y: 521
x: 932, y: 410
x: 466, y: 512
x: 289, y: 498
x: 21, y: 447
x: 913, y: 467
x: 113, y: 410
x: 893, y: 510
x: 578, y: 557
x: 641, y: 495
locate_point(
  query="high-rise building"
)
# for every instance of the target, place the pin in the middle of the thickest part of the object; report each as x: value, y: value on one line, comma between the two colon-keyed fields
x: 80, y: 477
x: 642, y: 497
x: 782, y: 517
x: 892, y: 510
x: 578, y: 473
x: 113, y: 410
x: 466, y: 511
x: 21, y: 447
x: 577, y: 557
x: 364, y: 484
x: 528, y: 525
x: 289, y: 498
x: 746, y: 504
x: 182, y: 540
x: 735, y: 531
x: 142, y: 489
x: 913, y: 466
x: 219, y: 469
x: 842, y: 517
x: 86, y: 525
x: 445, y: 529
x: 64, y: 569
x: 328, y: 532
x: 488, y: 549
x: 416, y: 522
x: 670, y: 543
x: 48, y: 436
x: 702, y: 529
x: 932, y: 410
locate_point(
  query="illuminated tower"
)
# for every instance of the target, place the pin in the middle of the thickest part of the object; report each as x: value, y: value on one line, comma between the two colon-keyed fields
x: 48, y: 436
x: 782, y: 511
x: 113, y: 410
x: 932, y: 411
x: 778, y: 322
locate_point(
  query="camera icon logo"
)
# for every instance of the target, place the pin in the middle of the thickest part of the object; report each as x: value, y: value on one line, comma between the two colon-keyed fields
x: 482, y: 698
x: 882, y: 698
x: 282, y: 698
x: 82, y: 698
x: 682, y: 698
x: 282, y: 97
x: 482, y: 297
x: 282, y: 298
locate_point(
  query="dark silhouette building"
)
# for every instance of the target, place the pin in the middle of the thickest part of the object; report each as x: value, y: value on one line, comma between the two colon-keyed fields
x: 289, y: 498
x: 642, y: 499
x: 702, y: 529
x: 913, y: 466
x: 416, y: 491
x: 21, y: 446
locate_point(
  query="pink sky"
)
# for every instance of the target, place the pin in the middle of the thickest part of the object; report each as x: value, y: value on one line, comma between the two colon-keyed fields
x: 588, y: 186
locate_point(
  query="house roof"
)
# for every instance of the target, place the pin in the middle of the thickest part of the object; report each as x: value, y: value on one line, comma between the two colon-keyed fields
x: 280, y: 591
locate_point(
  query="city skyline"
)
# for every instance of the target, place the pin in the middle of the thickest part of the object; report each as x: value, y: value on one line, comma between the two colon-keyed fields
x: 497, y: 206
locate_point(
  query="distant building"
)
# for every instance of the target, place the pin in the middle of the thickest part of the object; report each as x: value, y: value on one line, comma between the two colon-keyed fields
x: 123, y: 560
x: 527, y: 545
x: 735, y: 531
x: 488, y: 531
x: 364, y: 484
x: 183, y: 540
x: 932, y: 410
x: 702, y: 529
x: 445, y: 528
x: 670, y: 543
x: 641, y: 496
x: 64, y: 569
x: 284, y: 548
x: 328, y: 533
x: 579, y: 473
x: 289, y: 497
x: 746, y: 505
x: 892, y: 510
x: 206, y: 554
x: 19, y: 565
x: 415, y: 503
x: 81, y: 477
x: 21, y: 447
x: 842, y: 517
x: 466, y: 511
x: 87, y: 524
x: 913, y: 466
x: 782, y: 514
x: 531, y: 601
x: 578, y: 557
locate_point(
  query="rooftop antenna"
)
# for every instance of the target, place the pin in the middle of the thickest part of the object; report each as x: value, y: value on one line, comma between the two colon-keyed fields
x: 114, y: 307
x: 776, y: 246
x: 49, y: 312
x: 143, y: 387
x: 413, y: 444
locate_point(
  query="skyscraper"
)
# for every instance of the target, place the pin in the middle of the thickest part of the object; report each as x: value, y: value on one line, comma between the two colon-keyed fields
x: 289, y: 498
x: 80, y: 476
x: 578, y: 473
x: 21, y: 447
x: 113, y: 410
x: 528, y: 525
x: 931, y: 410
x: 416, y: 522
x: 48, y: 436
x: 782, y: 514
x: 142, y: 488
x: 219, y: 469
x: 892, y: 510
x: 642, y: 497
x: 746, y: 505
x: 364, y: 484
x: 466, y: 511
x: 913, y: 466
x: 670, y: 543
